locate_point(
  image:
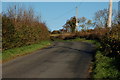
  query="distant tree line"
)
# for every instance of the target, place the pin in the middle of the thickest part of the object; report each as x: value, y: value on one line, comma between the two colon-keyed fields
x: 70, y: 25
x: 99, y: 21
x: 22, y: 27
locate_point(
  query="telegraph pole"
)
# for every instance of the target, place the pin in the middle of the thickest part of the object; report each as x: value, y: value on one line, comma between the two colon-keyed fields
x: 110, y: 15
x: 76, y: 18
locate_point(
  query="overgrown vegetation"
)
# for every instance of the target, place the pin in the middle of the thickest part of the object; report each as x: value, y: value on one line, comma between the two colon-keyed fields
x: 22, y: 27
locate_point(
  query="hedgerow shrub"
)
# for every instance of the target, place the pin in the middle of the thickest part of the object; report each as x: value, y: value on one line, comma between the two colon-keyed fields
x: 22, y: 28
x: 109, y: 39
x: 111, y: 42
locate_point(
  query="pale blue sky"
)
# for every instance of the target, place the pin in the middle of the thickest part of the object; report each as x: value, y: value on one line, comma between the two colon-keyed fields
x: 55, y: 14
x: 58, y: 0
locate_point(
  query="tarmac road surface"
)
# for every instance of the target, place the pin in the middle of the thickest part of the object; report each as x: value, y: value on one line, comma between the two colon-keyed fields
x: 61, y: 60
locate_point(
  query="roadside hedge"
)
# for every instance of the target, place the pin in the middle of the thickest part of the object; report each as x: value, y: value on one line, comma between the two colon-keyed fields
x: 22, y: 28
x: 109, y: 39
x: 107, y: 59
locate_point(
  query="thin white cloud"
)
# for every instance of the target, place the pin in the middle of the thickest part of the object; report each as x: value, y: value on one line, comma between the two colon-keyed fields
x: 58, y: 0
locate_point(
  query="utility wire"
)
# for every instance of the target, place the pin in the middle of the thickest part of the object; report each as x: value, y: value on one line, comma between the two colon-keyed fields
x: 66, y: 13
x: 62, y: 15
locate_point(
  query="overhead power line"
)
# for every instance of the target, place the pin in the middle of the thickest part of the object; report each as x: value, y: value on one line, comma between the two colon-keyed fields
x: 66, y: 13
x: 62, y: 15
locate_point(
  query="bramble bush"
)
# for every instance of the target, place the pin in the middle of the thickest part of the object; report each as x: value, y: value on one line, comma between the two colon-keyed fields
x: 110, y: 42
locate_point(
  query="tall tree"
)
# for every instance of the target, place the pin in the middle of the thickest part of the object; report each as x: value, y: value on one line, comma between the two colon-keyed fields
x: 70, y: 25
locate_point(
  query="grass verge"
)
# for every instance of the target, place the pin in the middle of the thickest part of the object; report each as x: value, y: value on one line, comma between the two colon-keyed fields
x: 76, y: 39
x: 82, y: 39
x: 105, y: 67
x: 15, y: 52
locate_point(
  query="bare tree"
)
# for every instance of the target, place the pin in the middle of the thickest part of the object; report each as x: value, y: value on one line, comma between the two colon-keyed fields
x: 89, y: 24
x: 85, y: 23
x: 101, y: 18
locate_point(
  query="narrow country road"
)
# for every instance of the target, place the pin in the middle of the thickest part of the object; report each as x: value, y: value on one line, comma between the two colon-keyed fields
x: 61, y: 60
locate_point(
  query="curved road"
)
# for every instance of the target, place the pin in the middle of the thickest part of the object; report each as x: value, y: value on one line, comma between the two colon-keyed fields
x: 61, y: 60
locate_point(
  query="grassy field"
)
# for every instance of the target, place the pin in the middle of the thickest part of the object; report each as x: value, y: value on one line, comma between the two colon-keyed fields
x: 15, y: 52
